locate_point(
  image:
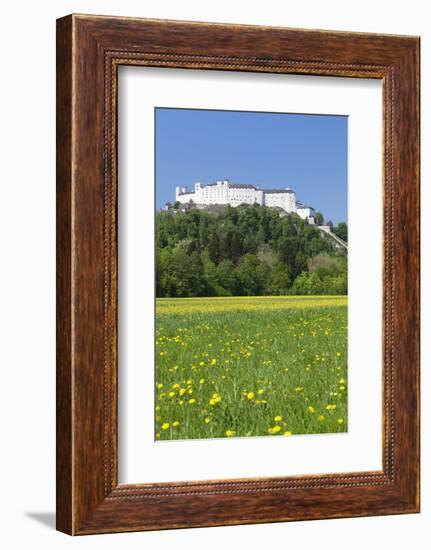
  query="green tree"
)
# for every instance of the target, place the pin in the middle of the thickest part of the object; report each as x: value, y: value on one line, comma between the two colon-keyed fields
x: 186, y: 274
x: 318, y: 218
x: 252, y: 275
x: 279, y: 283
x: 341, y: 231
x: 227, y: 277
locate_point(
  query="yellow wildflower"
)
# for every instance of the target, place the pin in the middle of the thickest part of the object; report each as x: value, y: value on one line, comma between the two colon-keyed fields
x: 230, y: 433
x: 278, y: 418
x: 165, y: 425
x: 311, y: 410
x: 274, y: 430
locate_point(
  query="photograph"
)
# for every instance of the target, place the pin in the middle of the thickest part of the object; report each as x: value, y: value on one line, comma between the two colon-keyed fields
x: 251, y: 274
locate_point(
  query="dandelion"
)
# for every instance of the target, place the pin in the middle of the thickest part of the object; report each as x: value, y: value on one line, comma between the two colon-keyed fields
x: 230, y: 433
x: 191, y: 401
x: 207, y: 420
x: 165, y: 426
x: 340, y: 421
x: 175, y: 424
x: 278, y: 418
x: 250, y: 395
x: 331, y: 407
x: 216, y: 398
x: 171, y: 393
x: 321, y: 417
x: 298, y: 389
x: 202, y: 381
x: 287, y: 433
x: 160, y: 385
x: 274, y: 430
x: 311, y: 410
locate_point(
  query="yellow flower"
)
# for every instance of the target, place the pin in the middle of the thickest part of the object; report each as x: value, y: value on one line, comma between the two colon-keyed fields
x: 250, y: 395
x: 175, y: 386
x: 340, y: 421
x: 202, y: 363
x: 202, y: 381
x: 287, y: 433
x: 230, y: 433
x: 207, y: 420
x: 216, y: 398
x: 260, y: 392
x: 342, y: 388
x: 298, y: 389
x: 213, y: 361
x: 331, y: 407
x: 341, y: 381
x: 171, y: 393
x: 165, y: 425
x: 160, y: 385
x: 311, y: 410
x: 278, y: 418
x: 176, y: 423
x: 191, y: 401
x: 321, y: 418
x: 274, y: 430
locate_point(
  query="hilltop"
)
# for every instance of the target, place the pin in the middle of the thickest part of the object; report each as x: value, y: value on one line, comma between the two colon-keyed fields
x: 249, y: 250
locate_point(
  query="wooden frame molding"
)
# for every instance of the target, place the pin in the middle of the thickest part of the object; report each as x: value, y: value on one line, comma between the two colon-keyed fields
x: 89, y: 51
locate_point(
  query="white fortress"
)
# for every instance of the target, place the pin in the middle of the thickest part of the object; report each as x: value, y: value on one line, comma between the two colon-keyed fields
x: 224, y: 192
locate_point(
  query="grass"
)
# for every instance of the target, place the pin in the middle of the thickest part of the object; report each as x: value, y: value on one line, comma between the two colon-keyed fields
x: 248, y: 366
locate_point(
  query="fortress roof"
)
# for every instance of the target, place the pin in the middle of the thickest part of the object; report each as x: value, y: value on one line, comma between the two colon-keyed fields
x: 278, y: 191
x: 242, y: 186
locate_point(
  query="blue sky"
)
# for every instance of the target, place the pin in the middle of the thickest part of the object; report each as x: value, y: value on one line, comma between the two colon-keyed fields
x: 307, y: 153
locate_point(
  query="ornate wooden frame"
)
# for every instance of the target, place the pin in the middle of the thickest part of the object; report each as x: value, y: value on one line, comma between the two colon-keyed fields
x: 89, y: 51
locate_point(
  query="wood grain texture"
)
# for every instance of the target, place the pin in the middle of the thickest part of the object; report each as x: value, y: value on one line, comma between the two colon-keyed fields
x: 90, y: 49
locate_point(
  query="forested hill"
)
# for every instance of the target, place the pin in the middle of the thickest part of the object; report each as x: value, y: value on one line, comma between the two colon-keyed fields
x: 244, y: 251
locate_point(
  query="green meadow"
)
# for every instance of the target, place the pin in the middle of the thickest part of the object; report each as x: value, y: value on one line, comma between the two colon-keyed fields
x: 250, y: 366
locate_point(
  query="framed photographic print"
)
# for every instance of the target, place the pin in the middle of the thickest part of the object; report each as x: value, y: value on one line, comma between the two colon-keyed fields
x: 237, y: 274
